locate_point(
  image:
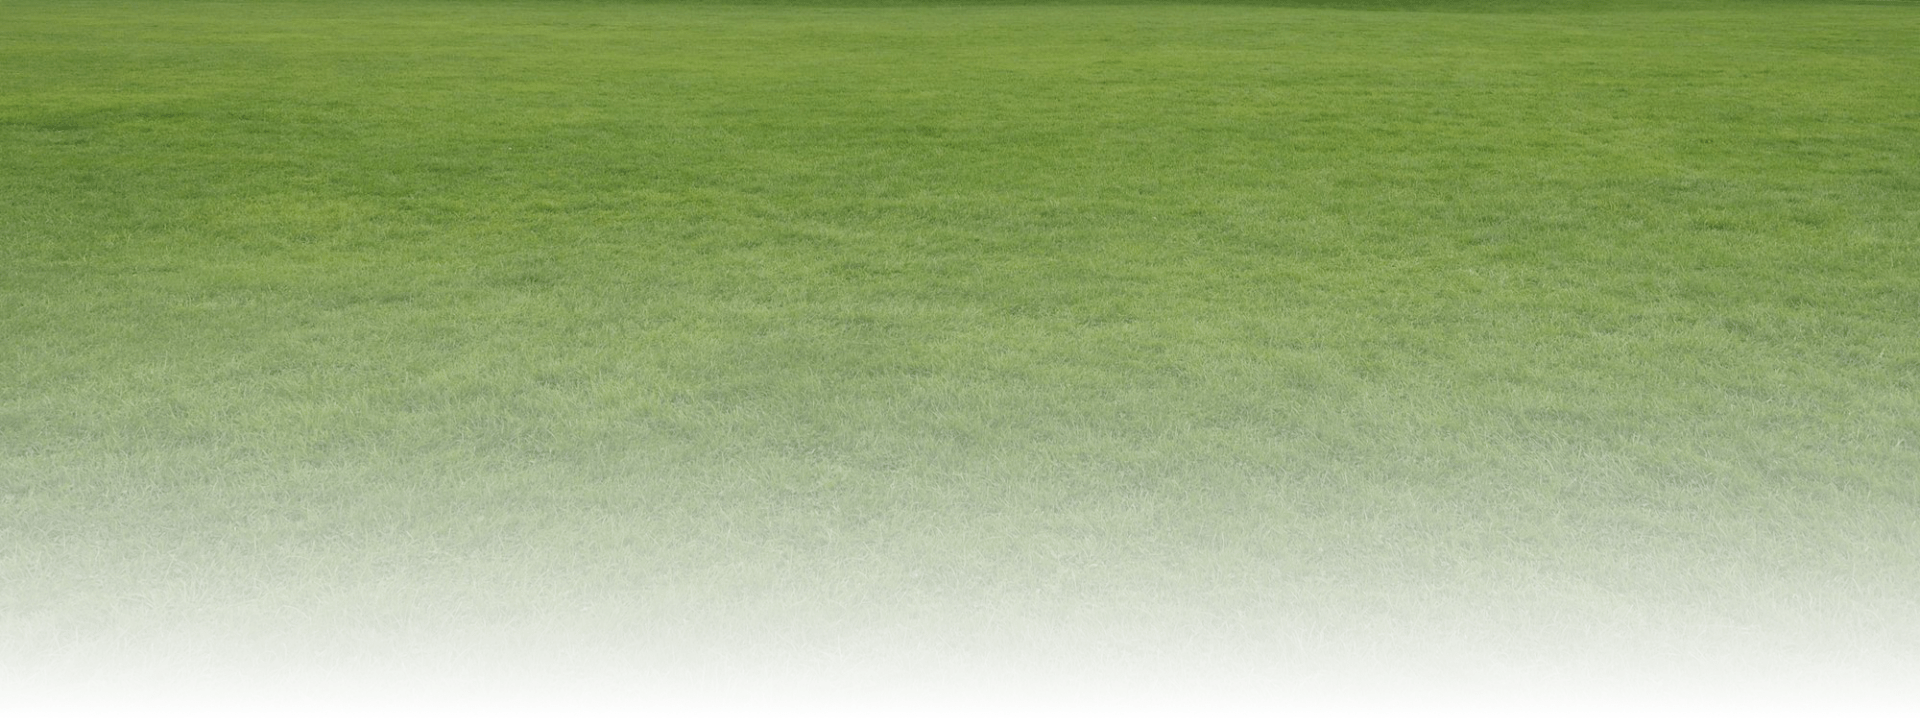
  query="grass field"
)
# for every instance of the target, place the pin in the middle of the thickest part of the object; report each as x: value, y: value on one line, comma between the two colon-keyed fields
x: 1570, y: 337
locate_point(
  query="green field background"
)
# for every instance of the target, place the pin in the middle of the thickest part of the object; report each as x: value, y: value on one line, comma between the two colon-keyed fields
x: 1556, y: 337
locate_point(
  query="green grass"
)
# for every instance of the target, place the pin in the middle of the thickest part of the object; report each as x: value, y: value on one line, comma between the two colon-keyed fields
x: 1561, y: 334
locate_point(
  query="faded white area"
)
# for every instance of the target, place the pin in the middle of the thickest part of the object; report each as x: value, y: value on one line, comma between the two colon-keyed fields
x: 443, y: 693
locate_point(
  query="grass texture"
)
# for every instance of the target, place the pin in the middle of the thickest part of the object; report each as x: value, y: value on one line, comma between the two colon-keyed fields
x: 1038, y: 336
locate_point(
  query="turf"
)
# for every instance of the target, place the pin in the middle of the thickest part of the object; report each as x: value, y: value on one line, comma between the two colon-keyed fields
x: 1044, y: 335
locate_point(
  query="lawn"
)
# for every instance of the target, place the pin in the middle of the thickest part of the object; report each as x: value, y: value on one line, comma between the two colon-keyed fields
x: 1052, y: 338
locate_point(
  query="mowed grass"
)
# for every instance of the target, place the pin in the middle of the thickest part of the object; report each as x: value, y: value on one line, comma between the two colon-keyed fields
x: 1046, y: 336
